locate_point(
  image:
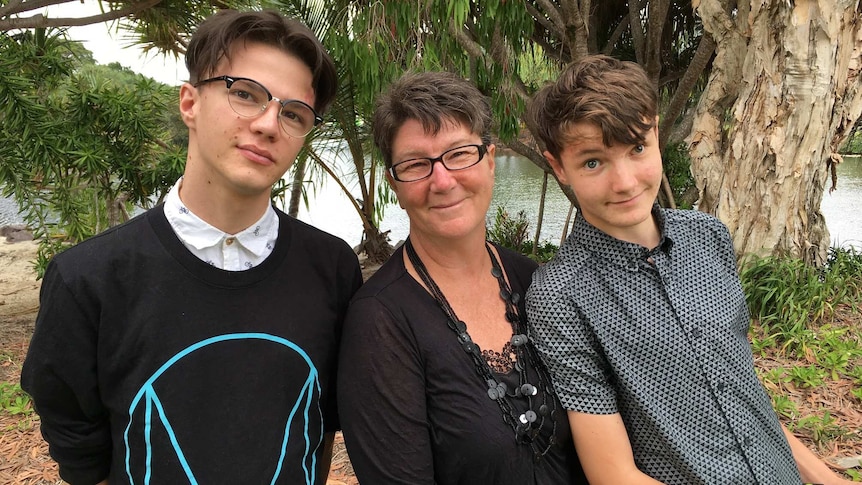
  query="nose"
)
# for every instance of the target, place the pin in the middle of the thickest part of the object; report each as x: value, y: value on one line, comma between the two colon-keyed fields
x: 267, y: 122
x: 623, y: 177
x: 441, y: 177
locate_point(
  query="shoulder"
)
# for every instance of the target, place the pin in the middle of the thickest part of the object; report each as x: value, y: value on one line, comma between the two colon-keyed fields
x: 389, y: 277
x: 563, y: 270
x: 693, y: 224
x: 117, y: 242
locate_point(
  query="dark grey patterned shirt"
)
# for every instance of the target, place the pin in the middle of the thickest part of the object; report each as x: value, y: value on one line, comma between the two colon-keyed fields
x: 660, y: 337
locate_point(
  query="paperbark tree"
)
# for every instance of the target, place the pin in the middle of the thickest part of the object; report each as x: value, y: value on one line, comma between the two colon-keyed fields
x: 783, y: 94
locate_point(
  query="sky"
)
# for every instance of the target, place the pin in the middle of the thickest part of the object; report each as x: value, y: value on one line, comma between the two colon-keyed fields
x: 110, y: 45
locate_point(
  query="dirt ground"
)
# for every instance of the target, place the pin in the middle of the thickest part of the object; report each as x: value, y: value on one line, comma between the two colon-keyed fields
x: 23, y: 454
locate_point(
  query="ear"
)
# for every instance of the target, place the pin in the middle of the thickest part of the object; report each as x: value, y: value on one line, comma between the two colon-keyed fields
x: 557, y: 165
x: 188, y: 104
x: 492, y: 164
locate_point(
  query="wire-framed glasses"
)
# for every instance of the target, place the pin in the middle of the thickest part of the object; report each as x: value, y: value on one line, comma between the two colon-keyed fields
x: 250, y: 98
x: 457, y: 158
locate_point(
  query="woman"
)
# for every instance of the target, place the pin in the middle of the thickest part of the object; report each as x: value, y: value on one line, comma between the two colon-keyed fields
x: 438, y: 383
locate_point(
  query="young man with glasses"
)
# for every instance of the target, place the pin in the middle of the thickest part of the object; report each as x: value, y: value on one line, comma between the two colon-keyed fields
x: 197, y: 342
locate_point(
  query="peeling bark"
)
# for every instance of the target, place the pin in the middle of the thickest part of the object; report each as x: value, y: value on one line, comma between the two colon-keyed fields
x: 783, y: 94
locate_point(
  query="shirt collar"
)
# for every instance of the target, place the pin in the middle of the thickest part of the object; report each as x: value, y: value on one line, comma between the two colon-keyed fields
x: 622, y: 253
x: 199, y: 234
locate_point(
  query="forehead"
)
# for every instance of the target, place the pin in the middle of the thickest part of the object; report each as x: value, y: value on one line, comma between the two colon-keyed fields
x: 582, y: 136
x: 416, y: 138
x: 284, y: 74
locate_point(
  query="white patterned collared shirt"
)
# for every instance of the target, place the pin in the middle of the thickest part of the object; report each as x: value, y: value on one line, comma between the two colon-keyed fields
x: 231, y: 252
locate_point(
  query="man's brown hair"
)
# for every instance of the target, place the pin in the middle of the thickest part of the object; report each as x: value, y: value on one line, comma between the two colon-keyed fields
x: 433, y: 99
x: 217, y: 34
x: 617, y: 96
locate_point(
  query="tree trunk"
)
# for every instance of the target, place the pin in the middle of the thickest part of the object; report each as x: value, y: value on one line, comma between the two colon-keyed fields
x: 783, y: 95
x: 296, y: 186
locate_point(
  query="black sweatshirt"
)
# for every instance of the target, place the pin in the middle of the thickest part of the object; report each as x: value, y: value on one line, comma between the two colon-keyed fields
x: 148, y: 364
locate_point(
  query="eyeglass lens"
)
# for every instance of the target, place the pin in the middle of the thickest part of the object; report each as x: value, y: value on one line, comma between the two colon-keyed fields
x: 454, y: 159
x: 249, y: 98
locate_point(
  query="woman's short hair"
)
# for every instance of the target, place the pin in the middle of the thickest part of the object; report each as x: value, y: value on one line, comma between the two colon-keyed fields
x: 433, y: 99
x: 617, y: 96
x: 219, y: 33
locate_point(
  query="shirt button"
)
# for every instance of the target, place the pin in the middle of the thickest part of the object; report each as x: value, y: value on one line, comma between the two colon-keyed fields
x: 229, y: 241
x: 720, y: 386
x: 696, y: 332
x: 746, y: 441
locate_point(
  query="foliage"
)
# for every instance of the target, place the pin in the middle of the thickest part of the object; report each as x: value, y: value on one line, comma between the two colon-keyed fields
x: 677, y: 168
x: 507, y: 231
x: 14, y: 401
x: 797, y: 315
x: 513, y: 233
x: 545, y: 251
x: 789, y: 297
x: 80, y: 145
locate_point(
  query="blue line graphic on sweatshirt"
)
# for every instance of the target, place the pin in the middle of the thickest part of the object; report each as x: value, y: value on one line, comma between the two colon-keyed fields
x: 154, y: 409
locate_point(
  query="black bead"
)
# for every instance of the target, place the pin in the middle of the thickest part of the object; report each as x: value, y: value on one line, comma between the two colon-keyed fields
x: 496, y: 271
x: 518, y: 340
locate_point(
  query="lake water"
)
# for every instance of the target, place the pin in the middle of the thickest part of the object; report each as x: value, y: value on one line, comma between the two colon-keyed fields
x: 518, y: 187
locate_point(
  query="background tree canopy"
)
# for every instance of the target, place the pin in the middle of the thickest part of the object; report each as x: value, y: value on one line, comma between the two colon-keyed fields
x: 759, y: 94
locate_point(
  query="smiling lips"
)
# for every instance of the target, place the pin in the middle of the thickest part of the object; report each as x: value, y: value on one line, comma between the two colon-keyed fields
x: 447, y: 205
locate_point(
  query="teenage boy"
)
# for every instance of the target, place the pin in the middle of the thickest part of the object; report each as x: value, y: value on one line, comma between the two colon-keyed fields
x: 197, y: 343
x: 641, y: 316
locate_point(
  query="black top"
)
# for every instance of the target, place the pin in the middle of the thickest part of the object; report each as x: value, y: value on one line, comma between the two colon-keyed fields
x: 659, y: 336
x: 148, y: 363
x: 413, y: 407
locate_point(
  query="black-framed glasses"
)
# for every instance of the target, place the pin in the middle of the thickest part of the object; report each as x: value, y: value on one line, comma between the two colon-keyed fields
x: 250, y: 98
x: 457, y: 158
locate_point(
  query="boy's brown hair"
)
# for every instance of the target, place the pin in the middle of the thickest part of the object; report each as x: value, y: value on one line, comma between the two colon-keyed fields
x: 617, y: 96
x: 219, y: 33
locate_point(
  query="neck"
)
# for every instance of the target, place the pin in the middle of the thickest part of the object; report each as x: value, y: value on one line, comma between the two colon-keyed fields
x: 456, y: 258
x: 225, y: 211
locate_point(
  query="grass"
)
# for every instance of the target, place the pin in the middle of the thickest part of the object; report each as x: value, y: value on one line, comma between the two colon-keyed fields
x: 806, y: 336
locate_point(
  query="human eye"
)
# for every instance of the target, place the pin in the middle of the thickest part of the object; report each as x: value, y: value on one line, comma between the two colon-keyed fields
x: 417, y: 167
x: 296, y: 114
x: 592, y: 164
x: 246, y: 92
x: 638, y: 149
x: 461, y: 157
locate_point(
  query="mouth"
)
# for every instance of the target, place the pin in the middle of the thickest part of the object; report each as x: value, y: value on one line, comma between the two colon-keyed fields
x: 446, y: 205
x: 629, y: 201
x: 256, y: 154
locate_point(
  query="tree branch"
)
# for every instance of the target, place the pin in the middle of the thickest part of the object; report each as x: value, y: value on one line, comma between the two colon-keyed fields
x: 40, y: 21
x: 698, y: 63
x: 11, y: 8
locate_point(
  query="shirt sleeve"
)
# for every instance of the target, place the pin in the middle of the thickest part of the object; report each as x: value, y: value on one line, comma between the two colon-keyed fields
x: 381, y: 396
x: 565, y: 342
x: 59, y: 373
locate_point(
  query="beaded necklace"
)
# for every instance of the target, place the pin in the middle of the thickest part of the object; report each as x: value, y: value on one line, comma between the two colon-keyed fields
x: 528, y: 424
